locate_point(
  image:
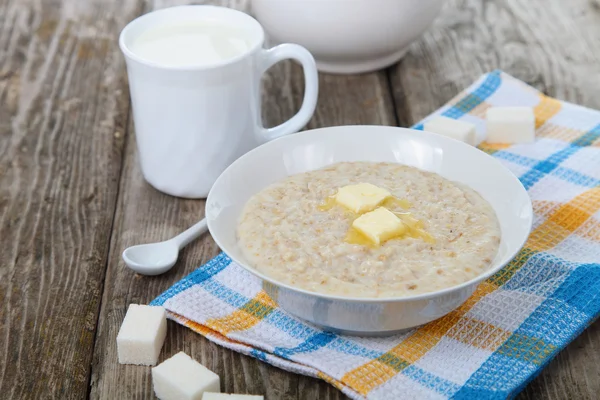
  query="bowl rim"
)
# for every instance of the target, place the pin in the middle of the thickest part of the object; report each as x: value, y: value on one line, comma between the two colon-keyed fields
x: 423, y: 296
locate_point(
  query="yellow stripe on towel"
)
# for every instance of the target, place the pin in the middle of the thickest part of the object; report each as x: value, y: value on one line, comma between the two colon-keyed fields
x: 545, y: 109
x: 249, y: 315
x: 565, y: 220
x: 376, y: 372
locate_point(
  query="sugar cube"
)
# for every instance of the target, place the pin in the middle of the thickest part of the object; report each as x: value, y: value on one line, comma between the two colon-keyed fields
x: 453, y: 128
x: 510, y: 125
x: 225, y: 396
x: 142, y: 335
x: 181, y: 378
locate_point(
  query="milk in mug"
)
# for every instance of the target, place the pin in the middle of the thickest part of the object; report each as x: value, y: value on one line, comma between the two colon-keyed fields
x: 196, y: 43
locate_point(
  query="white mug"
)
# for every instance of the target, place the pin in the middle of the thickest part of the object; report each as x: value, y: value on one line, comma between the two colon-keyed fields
x: 191, y: 122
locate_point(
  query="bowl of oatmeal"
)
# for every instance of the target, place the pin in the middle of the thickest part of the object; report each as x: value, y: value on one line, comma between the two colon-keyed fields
x: 369, y: 230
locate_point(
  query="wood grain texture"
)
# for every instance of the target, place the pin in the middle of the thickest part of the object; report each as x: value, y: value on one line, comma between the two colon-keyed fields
x: 553, y: 46
x: 62, y: 114
x: 145, y: 215
x: 69, y: 168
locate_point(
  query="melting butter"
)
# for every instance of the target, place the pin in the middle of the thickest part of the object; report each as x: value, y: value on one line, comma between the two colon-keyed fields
x: 415, y: 228
x: 328, y: 204
x: 389, y: 203
x: 355, y: 237
x: 392, y: 202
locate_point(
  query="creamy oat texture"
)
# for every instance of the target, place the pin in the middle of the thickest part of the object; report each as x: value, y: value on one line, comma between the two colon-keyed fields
x: 283, y: 233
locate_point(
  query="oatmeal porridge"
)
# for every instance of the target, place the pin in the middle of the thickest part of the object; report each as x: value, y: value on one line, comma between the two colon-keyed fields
x: 416, y: 233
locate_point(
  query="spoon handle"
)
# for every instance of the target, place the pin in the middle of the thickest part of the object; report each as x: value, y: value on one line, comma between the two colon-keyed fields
x: 190, y: 234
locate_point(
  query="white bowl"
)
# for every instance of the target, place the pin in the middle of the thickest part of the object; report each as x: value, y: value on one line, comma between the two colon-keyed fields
x: 317, y: 148
x: 348, y: 36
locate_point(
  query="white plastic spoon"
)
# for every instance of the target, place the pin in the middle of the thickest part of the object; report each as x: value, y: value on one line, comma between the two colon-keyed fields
x: 157, y: 258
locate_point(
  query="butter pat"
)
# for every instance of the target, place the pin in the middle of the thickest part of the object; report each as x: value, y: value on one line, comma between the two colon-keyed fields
x: 510, y: 125
x: 379, y: 225
x: 361, y: 198
x: 452, y: 128
x: 141, y: 335
x: 181, y: 378
x: 225, y: 396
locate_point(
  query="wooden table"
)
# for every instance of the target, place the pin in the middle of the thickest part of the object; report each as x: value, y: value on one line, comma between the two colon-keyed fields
x: 72, y: 196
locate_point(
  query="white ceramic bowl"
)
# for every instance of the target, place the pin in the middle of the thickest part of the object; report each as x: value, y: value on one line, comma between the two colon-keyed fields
x: 348, y: 36
x: 317, y: 148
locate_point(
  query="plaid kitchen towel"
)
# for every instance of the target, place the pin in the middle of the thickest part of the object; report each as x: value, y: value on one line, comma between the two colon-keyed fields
x: 495, y: 343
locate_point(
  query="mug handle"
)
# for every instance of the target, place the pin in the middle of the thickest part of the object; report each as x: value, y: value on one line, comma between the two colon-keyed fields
x: 311, y: 88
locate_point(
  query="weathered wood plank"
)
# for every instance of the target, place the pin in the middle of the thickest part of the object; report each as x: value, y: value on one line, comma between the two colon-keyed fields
x: 145, y: 215
x: 551, y: 45
x: 63, y: 112
x: 62, y: 116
